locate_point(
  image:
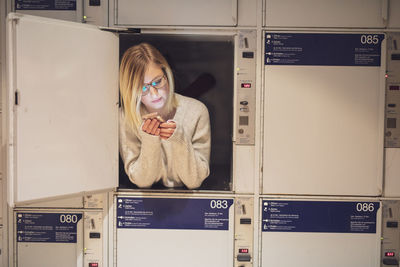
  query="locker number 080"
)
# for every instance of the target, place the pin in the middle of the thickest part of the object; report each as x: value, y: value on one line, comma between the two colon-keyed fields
x: 369, y: 39
x: 219, y: 204
x: 365, y: 207
x: 68, y: 218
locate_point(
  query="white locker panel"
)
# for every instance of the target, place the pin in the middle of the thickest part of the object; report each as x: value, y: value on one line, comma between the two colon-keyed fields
x: 323, y: 130
x: 315, y: 250
x: 37, y: 255
x: 324, y: 13
x: 176, y: 12
x: 392, y: 172
x: 64, y: 127
x: 394, y: 18
x: 288, y: 245
x: 147, y: 236
x: 41, y: 240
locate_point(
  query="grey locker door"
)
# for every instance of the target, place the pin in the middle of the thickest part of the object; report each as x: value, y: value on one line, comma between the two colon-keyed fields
x: 325, y: 13
x: 319, y: 245
x: 323, y: 126
x: 42, y: 239
x: 176, y: 12
x: 150, y: 235
x: 63, y: 127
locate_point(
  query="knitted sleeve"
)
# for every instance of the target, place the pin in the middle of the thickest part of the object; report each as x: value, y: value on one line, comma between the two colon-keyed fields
x: 191, y: 152
x: 141, y: 154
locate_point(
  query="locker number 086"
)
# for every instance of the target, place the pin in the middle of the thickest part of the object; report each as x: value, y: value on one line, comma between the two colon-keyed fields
x: 219, y: 204
x: 369, y: 39
x: 68, y: 218
x: 365, y: 207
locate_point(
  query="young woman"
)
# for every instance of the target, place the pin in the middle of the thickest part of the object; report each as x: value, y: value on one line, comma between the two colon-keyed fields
x: 172, y: 142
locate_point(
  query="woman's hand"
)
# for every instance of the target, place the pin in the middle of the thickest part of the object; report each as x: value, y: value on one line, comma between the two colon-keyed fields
x: 151, y: 126
x: 167, y: 129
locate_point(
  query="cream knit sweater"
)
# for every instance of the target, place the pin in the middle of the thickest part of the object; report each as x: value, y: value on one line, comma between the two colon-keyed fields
x: 181, y: 159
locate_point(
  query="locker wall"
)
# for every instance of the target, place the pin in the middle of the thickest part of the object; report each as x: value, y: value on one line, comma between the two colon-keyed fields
x: 262, y: 15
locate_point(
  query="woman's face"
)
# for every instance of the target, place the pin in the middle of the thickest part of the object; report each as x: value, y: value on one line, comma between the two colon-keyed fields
x: 154, y: 99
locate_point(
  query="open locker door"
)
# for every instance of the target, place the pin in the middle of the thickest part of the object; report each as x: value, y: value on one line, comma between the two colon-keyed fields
x: 62, y: 108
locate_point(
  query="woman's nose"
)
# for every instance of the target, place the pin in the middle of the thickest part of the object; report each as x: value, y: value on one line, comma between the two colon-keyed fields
x: 153, y: 91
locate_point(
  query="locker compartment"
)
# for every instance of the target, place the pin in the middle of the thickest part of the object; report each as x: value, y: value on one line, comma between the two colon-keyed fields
x: 202, y: 66
x: 325, y: 13
x: 181, y: 230
x: 320, y: 232
x: 69, y: 238
x: 38, y: 232
x: 176, y: 12
x: 87, y: 91
x: 323, y: 113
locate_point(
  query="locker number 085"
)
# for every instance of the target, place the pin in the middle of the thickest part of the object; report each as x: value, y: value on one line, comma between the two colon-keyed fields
x: 68, y: 218
x: 365, y: 207
x: 219, y: 204
x: 369, y: 39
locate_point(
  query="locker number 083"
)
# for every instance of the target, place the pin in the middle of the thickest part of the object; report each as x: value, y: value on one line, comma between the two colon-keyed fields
x: 219, y: 204
x: 68, y: 218
x: 365, y: 207
x: 369, y: 39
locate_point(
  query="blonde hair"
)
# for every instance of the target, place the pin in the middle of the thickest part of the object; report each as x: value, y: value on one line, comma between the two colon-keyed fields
x: 134, y: 64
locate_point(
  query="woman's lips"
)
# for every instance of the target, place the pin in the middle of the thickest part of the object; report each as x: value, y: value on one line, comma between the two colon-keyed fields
x: 156, y: 101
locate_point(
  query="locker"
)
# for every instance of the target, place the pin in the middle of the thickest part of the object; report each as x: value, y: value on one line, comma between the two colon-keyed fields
x: 323, y: 113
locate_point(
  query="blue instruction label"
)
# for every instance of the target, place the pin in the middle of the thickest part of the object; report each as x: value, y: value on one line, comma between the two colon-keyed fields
x: 323, y: 49
x: 45, y: 4
x: 319, y: 216
x: 173, y: 213
x: 47, y: 227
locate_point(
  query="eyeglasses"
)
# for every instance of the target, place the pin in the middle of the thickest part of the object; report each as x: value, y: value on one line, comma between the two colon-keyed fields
x: 157, y: 83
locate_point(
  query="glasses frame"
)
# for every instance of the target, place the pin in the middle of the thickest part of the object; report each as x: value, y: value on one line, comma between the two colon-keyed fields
x: 150, y: 84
